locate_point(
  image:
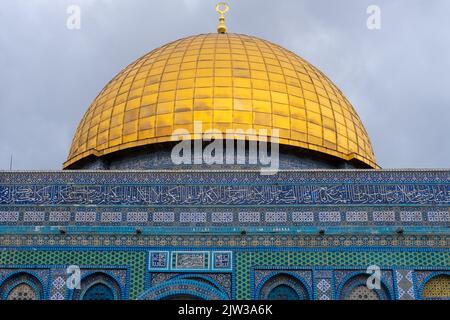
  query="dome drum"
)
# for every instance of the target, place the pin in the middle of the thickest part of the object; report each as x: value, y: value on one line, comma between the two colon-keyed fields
x: 158, y: 157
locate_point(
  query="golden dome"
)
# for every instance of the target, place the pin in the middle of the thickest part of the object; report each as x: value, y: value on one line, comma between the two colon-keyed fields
x: 227, y: 81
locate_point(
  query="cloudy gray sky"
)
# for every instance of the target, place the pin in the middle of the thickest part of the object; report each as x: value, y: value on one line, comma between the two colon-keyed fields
x: 397, y: 77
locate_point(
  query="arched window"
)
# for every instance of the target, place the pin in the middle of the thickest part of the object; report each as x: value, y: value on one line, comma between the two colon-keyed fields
x: 437, y: 288
x: 98, y: 286
x: 363, y: 293
x: 21, y: 286
x: 22, y: 291
x: 356, y: 289
x: 98, y: 291
x: 283, y: 287
x: 283, y: 292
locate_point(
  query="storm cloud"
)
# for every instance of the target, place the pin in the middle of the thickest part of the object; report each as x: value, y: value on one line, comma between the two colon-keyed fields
x: 396, y: 77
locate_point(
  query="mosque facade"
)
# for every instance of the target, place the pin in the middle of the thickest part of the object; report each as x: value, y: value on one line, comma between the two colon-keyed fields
x: 123, y: 221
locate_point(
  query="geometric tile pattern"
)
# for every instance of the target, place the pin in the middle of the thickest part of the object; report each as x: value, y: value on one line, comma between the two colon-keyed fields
x: 324, y: 290
x: 405, y: 285
x: 58, y: 287
x: 188, y: 261
x: 114, y: 203
x: 159, y: 260
x: 321, y: 262
x: 135, y: 260
x: 234, y: 217
x: 231, y: 240
x: 331, y: 259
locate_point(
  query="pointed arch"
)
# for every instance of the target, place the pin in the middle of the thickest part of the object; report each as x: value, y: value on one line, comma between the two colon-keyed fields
x: 355, y: 288
x: 436, y: 287
x: 22, y: 286
x: 98, y: 286
x: 283, y: 286
x: 183, y: 288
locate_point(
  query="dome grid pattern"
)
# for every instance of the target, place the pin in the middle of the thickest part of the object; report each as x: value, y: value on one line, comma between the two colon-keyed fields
x: 226, y: 81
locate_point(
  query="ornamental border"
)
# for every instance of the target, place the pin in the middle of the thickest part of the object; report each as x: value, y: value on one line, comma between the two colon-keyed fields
x: 338, y: 193
x: 304, y: 240
x: 402, y: 214
x: 244, y: 249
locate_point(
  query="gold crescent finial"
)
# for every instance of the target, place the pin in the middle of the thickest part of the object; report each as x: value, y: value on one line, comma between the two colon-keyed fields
x: 222, y: 8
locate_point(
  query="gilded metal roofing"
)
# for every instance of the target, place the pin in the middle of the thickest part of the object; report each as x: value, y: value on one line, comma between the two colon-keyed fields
x: 226, y: 81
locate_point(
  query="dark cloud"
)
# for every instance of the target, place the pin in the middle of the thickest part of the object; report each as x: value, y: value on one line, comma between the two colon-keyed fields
x: 397, y: 77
